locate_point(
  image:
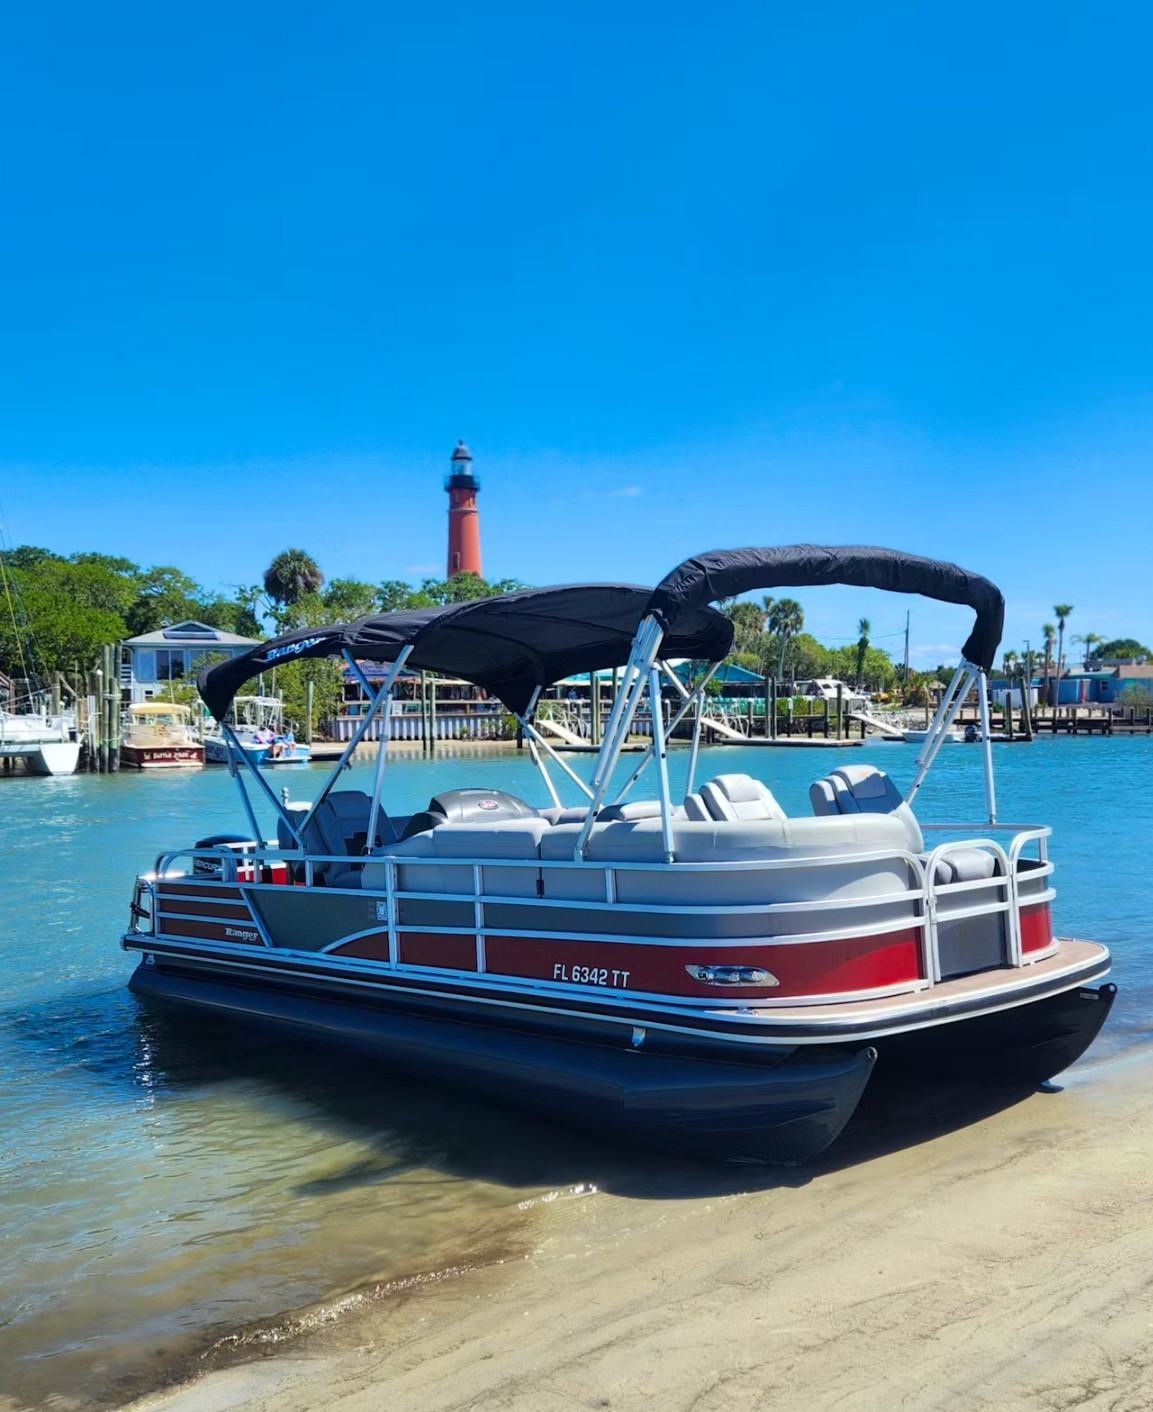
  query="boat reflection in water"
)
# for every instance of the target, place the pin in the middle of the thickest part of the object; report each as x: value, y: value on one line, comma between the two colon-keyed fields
x: 705, y: 975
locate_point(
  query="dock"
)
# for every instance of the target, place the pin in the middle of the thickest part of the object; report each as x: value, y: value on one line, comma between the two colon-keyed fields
x: 1076, y: 720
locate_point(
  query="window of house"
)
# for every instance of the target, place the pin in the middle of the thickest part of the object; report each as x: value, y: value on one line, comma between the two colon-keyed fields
x: 170, y: 663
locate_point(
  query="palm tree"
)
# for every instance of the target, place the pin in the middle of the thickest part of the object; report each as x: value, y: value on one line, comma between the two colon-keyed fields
x: 1049, y: 632
x: 786, y: 619
x: 864, y: 627
x: 1089, y: 641
x: 1062, y: 611
x: 291, y: 576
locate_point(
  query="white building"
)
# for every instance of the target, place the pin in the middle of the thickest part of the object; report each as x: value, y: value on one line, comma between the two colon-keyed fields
x: 152, y: 660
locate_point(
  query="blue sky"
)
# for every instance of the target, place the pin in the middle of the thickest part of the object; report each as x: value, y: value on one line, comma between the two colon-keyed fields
x: 683, y: 276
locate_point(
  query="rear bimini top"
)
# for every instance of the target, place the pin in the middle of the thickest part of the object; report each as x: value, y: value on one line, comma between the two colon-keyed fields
x: 726, y: 573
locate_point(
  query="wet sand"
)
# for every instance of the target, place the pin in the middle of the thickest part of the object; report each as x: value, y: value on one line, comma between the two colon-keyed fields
x: 958, y: 1251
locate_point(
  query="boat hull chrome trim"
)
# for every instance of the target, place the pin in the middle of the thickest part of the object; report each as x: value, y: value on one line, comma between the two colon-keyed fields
x: 764, y: 1025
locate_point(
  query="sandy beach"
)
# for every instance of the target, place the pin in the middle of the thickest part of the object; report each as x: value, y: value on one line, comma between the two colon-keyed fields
x: 993, y: 1259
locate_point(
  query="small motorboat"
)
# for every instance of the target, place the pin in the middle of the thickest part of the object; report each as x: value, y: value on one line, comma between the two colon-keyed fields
x: 258, y: 730
x: 159, y: 735
x: 705, y: 974
x: 918, y: 737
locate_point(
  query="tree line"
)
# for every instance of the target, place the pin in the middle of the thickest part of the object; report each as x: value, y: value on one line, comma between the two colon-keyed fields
x: 57, y: 612
x: 769, y: 638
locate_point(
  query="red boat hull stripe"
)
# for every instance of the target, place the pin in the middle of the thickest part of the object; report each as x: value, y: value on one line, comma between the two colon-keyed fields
x: 864, y: 964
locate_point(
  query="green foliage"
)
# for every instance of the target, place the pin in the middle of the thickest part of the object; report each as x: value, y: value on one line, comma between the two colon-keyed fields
x: 69, y: 611
x: 877, y: 670
x: 27, y: 556
x: 786, y: 619
x: 807, y: 658
x: 1122, y: 647
x: 394, y: 594
x: 63, y: 610
x: 346, y: 599
x: 463, y: 588
x: 292, y: 682
x: 1136, y: 694
x: 864, y: 627
x: 916, y: 690
x: 748, y: 622
x: 291, y: 576
x: 163, y: 595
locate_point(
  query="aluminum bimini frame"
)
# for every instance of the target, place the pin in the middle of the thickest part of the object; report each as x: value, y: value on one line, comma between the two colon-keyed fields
x: 964, y: 679
x: 516, y: 644
x: 380, y: 704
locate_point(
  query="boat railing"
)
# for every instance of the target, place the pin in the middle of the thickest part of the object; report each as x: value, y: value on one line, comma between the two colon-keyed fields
x: 931, y: 902
x: 1010, y: 875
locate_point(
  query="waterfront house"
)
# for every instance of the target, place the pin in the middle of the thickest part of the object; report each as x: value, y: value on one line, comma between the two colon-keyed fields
x: 1138, y: 675
x: 149, y: 662
x: 1103, y: 686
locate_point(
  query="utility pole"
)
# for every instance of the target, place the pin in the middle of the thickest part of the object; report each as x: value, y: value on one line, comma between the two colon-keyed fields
x: 905, y: 679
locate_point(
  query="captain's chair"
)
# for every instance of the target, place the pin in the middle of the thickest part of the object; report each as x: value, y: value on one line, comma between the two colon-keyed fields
x: 733, y: 797
x: 339, y: 827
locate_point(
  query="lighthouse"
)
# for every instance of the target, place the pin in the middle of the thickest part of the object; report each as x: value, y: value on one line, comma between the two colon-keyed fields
x: 463, y: 516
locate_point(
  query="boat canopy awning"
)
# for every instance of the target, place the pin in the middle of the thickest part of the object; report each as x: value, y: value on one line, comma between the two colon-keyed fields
x: 381, y: 638
x: 725, y: 573
x: 509, y: 645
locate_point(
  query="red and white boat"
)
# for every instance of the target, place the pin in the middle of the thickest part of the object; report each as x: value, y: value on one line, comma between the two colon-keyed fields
x: 159, y: 735
x: 704, y: 974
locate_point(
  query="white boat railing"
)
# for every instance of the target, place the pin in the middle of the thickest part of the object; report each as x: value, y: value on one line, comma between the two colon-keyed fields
x: 243, y: 865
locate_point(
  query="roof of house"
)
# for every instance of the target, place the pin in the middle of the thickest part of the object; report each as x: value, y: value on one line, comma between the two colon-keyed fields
x: 190, y: 633
x: 1133, y: 671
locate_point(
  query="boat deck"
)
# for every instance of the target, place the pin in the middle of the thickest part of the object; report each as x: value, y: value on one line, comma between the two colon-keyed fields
x: 1076, y: 962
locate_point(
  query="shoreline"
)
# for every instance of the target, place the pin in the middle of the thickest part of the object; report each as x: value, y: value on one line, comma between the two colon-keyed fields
x: 942, y: 1257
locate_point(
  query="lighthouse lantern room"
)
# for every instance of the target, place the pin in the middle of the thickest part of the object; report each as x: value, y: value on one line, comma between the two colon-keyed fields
x: 463, y: 516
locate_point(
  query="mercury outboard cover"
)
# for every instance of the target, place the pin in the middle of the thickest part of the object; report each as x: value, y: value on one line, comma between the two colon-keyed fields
x: 469, y: 806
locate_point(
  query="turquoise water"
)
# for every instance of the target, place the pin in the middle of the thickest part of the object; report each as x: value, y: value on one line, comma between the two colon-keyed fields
x: 165, y: 1182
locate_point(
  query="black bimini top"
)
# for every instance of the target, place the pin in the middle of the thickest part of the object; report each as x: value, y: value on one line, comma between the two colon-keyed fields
x: 727, y: 572
x: 509, y: 645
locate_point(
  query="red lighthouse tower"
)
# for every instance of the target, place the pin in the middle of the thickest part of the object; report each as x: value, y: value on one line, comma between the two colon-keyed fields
x: 463, y: 516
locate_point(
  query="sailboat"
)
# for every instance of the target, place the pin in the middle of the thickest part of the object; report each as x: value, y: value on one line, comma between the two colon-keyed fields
x: 46, y: 740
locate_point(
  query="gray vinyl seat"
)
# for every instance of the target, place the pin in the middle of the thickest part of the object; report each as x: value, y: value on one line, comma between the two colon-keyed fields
x: 863, y: 789
x: 634, y: 810
x: 611, y: 813
x: 729, y: 797
x: 339, y: 827
x: 572, y: 814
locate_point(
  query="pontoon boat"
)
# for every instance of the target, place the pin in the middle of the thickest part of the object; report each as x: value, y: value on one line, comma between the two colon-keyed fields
x: 706, y: 974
